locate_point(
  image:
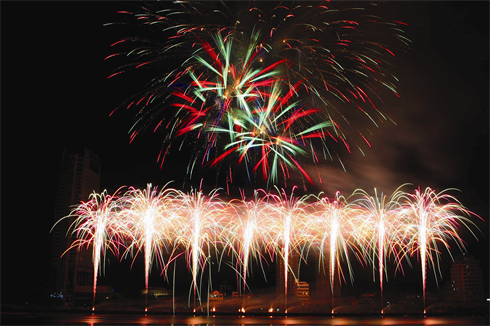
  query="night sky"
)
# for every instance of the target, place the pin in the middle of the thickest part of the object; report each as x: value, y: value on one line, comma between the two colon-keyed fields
x: 55, y: 93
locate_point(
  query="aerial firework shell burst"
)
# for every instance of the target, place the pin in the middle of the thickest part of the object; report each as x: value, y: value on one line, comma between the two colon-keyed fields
x: 263, y: 86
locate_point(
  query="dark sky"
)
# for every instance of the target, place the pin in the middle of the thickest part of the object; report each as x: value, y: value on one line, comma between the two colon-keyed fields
x: 55, y: 93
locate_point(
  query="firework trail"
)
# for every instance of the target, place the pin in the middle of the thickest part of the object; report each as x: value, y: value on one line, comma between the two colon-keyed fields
x: 96, y: 225
x: 199, y: 227
x: 253, y: 229
x: 368, y: 227
x: 287, y: 211
x: 150, y: 213
x: 434, y: 218
x: 325, y: 66
x: 247, y: 237
x: 336, y: 218
x: 332, y: 227
x: 376, y: 217
x: 334, y: 232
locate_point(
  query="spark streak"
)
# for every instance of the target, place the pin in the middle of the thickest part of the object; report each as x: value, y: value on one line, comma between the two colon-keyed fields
x: 372, y: 228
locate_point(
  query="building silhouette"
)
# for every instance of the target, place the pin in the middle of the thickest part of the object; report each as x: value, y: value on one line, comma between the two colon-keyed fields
x: 303, y: 292
x: 322, y: 287
x: 319, y: 287
x: 215, y: 299
x: 293, y: 263
x: 466, y: 280
x: 71, y: 272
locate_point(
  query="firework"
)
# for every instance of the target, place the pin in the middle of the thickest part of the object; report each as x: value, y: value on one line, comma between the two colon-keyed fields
x: 97, y: 224
x: 275, y: 82
x: 149, y: 214
x: 331, y: 225
x: 251, y: 225
x: 199, y: 228
x: 433, y: 218
x: 287, y: 211
x: 376, y: 220
x: 371, y: 228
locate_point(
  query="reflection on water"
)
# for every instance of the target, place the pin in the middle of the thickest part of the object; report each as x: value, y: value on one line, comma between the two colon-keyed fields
x: 121, y: 319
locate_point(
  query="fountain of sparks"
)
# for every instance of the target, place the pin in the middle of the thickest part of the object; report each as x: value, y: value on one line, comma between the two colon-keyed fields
x: 154, y: 221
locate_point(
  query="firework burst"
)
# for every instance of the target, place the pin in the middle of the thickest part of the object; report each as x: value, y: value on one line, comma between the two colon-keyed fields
x: 433, y: 219
x: 371, y: 228
x: 97, y: 224
x: 376, y: 218
x: 233, y: 78
x: 149, y: 215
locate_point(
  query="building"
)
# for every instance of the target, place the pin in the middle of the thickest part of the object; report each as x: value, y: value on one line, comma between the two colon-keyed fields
x: 215, y: 298
x: 319, y: 286
x: 156, y: 292
x: 466, y: 280
x: 303, y: 292
x: 72, y: 272
x: 293, y: 263
x: 323, y: 286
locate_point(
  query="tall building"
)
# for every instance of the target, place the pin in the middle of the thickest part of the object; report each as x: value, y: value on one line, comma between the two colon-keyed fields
x: 466, y: 280
x: 319, y: 287
x: 72, y: 271
x: 322, y: 285
x: 303, y: 292
x: 293, y: 262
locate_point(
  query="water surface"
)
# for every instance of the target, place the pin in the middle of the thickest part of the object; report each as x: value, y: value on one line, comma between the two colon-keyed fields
x: 60, y: 318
